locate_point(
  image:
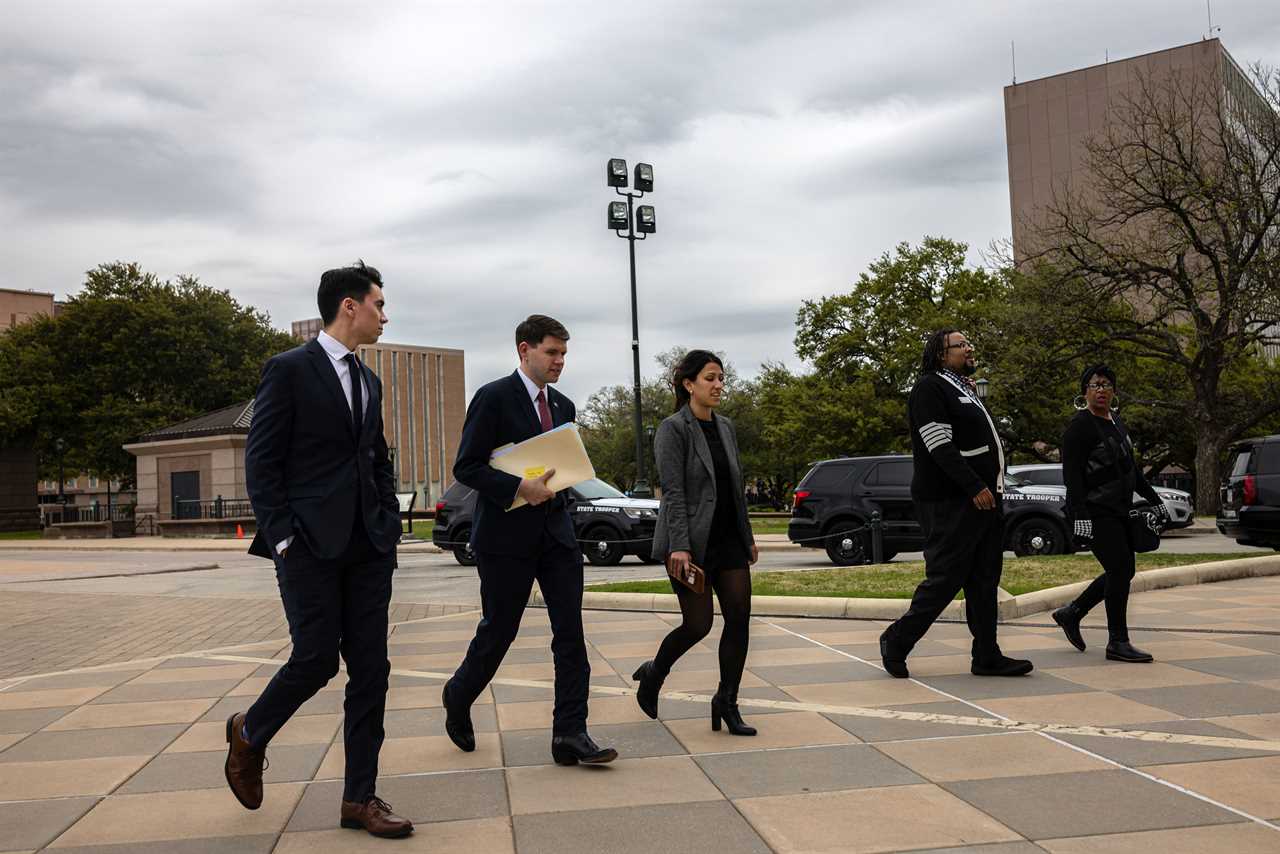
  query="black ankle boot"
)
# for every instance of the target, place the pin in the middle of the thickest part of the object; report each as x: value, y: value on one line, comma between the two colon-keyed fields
x: 725, y: 705
x: 647, y: 690
x: 1122, y: 650
x: 1069, y: 618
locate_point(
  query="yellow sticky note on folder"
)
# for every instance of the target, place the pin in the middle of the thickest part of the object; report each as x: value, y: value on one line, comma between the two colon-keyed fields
x: 560, y: 449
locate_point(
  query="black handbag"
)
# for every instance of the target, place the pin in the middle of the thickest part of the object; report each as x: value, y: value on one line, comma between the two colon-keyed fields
x: 1144, y: 530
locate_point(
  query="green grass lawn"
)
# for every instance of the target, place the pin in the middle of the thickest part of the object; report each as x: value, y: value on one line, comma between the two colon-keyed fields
x: 899, y: 579
x: 19, y: 535
x: 422, y: 528
x: 769, y: 526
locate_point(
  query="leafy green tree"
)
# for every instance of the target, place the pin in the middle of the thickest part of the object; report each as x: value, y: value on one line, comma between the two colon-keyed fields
x: 879, y: 326
x: 127, y: 354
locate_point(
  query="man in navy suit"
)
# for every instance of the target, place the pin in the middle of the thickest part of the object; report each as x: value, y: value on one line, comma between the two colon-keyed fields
x: 323, y: 490
x: 515, y: 547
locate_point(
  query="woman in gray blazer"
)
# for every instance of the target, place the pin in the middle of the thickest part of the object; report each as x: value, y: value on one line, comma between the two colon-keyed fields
x: 703, y: 520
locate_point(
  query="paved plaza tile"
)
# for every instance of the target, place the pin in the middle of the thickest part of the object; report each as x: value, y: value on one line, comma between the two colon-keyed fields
x: 1054, y: 805
x: 127, y: 756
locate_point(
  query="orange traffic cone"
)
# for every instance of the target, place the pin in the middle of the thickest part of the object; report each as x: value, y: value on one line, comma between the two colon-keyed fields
x: 239, y: 532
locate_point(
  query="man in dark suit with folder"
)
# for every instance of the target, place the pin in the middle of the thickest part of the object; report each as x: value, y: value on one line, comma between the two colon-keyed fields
x: 514, y: 548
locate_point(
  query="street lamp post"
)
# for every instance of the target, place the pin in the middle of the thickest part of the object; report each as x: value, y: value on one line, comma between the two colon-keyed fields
x: 61, y: 446
x: 625, y: 221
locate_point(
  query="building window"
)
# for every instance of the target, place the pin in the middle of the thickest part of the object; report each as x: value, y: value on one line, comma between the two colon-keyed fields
x: 93, y: 483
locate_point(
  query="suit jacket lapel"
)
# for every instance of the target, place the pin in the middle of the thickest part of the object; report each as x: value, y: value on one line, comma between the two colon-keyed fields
x: 374, y: 399
x: 323, y: 366
x: 525, y: 403
x: 699, y: 442
x: 557, y: 411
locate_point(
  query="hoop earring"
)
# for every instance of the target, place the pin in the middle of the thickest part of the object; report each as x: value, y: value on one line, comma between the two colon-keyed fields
x: 1079, y: 403
x: 1115, y: 403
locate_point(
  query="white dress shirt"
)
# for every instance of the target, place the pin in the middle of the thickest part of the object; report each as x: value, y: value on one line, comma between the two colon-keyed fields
x: 337, y: 352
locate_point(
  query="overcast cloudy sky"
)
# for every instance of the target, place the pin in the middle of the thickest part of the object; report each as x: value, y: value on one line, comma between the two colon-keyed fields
x: 461, y: 148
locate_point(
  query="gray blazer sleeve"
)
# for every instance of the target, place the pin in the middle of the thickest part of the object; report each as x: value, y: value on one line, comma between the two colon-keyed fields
x: 670, y: 451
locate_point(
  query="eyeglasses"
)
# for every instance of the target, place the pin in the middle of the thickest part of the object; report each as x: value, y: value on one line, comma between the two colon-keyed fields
x: 964, y: 344
x: 1100, y: 386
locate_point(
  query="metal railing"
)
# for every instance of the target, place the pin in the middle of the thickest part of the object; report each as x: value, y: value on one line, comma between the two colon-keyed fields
x: 211, y: 508
x: 90, y: 513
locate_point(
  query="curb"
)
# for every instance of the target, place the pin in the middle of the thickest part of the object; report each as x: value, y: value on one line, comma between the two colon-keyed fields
x: 1010, y: 607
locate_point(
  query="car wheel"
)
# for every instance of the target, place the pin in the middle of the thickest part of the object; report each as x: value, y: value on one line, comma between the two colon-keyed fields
x: 600, y: 546
x: 1033, y: 537
x: 464, y: 554
x: 846, y: 544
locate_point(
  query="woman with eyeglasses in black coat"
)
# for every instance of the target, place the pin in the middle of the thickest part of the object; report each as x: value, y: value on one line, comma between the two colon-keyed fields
x: 1101, y: 475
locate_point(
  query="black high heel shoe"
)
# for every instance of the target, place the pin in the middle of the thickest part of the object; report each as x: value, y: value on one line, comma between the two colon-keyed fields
x: 647, y: 689
x: 724, y: 706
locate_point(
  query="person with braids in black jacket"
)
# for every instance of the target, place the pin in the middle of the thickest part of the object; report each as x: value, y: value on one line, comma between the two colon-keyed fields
x: 1101, y: 475
x: 957, y: 488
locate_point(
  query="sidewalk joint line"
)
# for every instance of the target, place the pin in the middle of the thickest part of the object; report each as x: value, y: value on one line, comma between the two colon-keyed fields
x: 1046, y: 731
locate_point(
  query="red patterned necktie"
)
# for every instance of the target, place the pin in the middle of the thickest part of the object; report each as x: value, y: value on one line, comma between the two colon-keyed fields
x: 544, y: 414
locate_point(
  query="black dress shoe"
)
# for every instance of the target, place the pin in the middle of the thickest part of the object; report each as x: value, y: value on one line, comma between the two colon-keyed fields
x: 1069, y: 619
x: 894, y: 663
x: 572, y: 749
x: 1125, y: 651
x: 457, y: 723
x: 1001, y: 665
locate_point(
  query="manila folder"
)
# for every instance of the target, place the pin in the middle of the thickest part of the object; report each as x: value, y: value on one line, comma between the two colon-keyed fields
x: 560, y: 449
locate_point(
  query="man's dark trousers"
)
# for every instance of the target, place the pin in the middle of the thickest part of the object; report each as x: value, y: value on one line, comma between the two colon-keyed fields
x: 963, y: 550
x: 505, y: 584
x: 334, y: 606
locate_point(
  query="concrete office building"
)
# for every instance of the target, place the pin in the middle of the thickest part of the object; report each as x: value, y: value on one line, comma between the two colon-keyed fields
x: 20, y: 306
x: 423, y: 406
x: 1048, y: 120
x: 18, y: 464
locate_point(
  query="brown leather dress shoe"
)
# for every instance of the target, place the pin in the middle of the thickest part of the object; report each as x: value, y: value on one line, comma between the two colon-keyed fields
x: 244, y: 765
x: 375, y: 816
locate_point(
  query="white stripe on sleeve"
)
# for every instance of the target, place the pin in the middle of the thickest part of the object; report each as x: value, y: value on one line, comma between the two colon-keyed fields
x: 935, y: 434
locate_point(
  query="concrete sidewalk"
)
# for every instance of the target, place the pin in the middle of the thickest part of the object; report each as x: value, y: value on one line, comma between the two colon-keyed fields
x: 1083, y: 755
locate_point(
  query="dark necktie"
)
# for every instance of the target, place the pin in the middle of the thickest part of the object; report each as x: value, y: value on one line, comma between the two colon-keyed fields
x: 544, y: 414
x: 357, y: 393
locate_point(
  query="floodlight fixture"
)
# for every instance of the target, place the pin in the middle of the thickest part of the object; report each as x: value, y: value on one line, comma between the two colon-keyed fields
x: 617, y: 215
x: 617, y: 172
x: 645, y: 222
x: 644, y: 177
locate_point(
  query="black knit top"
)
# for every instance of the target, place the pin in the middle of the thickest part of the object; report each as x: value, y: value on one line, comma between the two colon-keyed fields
x: 724, y: 549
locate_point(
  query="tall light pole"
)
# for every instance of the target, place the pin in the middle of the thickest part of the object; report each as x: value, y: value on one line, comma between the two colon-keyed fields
x: 625, y: 220
x: 62, y: 498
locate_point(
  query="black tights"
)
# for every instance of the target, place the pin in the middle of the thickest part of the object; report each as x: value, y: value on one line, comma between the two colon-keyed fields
x: 1113, y: 550
x: 733, y: 589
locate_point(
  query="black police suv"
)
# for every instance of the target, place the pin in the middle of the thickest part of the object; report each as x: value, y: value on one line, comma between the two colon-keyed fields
x: 1249, y: 505
x: 609, y: 525
x: 833, y: 505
